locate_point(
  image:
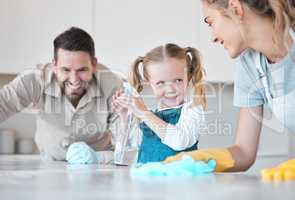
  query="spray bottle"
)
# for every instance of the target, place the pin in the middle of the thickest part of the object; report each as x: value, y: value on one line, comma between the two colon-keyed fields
x: 121, y: 146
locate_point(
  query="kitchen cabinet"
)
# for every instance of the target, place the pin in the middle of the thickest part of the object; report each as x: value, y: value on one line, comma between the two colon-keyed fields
x: 28, y: 28
x: 122, y: 30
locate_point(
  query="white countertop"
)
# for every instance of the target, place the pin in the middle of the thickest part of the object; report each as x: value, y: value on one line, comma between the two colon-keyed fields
x: 27, y: 177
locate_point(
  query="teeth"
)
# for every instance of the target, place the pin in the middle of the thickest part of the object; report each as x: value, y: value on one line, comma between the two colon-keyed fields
x: 73, y: 86
x: 170, y: 95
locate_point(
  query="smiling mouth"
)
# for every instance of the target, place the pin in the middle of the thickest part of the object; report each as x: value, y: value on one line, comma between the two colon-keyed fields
x: 73, y: 86
x: 170, y: 96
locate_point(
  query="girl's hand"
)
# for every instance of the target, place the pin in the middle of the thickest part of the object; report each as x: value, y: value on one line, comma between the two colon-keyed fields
x: 124, y: 103
x: 138, y: 107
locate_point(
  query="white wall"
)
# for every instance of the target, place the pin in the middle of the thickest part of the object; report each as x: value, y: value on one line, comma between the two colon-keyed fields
x: 122, y: 31
x: 28, y: 28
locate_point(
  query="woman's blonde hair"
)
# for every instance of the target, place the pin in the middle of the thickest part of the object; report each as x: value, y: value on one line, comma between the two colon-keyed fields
x: 282, y: 13
x: 195, y: 70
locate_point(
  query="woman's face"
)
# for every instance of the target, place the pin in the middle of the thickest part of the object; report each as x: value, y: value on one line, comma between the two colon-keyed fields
x: 225, y: 30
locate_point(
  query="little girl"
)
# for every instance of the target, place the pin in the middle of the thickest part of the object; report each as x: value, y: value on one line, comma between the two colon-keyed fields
x: 177, y: 122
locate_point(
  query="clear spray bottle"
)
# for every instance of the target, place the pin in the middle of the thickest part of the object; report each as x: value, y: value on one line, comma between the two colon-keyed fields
x: 121, y: 156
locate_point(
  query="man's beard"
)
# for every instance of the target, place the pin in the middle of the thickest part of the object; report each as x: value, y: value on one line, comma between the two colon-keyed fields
x: 74, y: 96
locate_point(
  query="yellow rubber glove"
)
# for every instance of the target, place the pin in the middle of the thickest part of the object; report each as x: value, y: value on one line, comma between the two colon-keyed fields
x: 223, y: 157
x: 283, y: 172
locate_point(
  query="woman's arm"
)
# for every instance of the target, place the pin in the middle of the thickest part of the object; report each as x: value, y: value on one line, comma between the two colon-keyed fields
x: 247, y: 138
x: 242, y: 154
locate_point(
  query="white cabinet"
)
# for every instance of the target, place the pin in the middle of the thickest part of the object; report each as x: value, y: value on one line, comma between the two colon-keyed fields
x: 28, y: 28
x: 122, y: 31
x: 128, y: 29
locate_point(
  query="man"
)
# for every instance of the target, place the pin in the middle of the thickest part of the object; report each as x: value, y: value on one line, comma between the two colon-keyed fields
x: 72, y: 97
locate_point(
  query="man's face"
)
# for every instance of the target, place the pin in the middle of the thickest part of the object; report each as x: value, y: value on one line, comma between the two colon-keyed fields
x: 74, y: 70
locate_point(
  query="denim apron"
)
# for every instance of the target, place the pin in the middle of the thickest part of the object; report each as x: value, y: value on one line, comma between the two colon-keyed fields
x: 151, y: 148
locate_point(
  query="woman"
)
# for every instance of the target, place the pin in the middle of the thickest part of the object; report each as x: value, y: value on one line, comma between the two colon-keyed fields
x: 261, y: 34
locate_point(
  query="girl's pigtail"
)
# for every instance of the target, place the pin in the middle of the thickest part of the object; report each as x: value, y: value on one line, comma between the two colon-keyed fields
x: 196, y: 74
x: 135, y: 76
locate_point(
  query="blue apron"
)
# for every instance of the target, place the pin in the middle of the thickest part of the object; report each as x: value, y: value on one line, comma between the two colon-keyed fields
x: 151, y: 148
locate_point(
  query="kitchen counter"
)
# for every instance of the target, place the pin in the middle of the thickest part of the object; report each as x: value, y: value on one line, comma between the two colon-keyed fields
x: 28, y: 177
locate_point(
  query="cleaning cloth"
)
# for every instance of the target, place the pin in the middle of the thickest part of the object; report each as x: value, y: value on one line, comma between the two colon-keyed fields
x: 184, y: 167
x: 81, y: 153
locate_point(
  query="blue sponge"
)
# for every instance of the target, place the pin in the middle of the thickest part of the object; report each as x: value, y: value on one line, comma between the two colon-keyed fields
x: 81, y: 153
x: 185, y: 167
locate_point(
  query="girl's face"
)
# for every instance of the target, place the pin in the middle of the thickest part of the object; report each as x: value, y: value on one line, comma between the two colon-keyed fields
x: 225, y: 30
x: 168, y: 81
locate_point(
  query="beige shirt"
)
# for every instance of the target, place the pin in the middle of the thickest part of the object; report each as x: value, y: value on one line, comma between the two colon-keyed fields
x: 58, y: 122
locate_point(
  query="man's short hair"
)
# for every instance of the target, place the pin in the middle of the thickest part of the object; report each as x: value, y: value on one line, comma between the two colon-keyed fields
x: 74, y: 39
